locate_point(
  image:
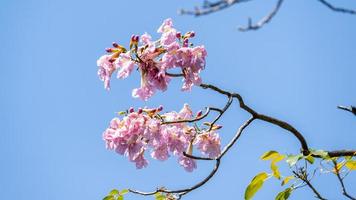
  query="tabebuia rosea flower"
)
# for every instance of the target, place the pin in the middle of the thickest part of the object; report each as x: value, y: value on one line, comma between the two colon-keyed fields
x: 153, y: 59
x: 147, y: 130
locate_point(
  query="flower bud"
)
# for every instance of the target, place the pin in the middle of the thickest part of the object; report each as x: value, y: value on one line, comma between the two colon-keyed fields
x: 160, y: 108
x: 114, y: 44
x: 139, y: 111
x: 200, y: 113
x: 191, y: 34
x: 178, y: 35
x: 131, y: 110
x: 136, y: 38
x: 112, y: 60
x: 185, y: 42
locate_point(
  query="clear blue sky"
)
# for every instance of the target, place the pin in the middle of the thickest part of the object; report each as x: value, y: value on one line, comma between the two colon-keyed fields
x: 54, y: 108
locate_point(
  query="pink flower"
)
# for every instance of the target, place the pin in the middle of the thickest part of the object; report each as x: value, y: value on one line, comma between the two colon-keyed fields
x: 209, y: 144
x: 153, y: 59
x: 166, y: 25
x: 192, y: 61
x: 186, y: 112
x: 140, y: 161
x: 106, y: 69
x: 143, y: 93
x: 143, y: 130
x: 125, y: 64
x: 160, y: 153
x: 188, y: 163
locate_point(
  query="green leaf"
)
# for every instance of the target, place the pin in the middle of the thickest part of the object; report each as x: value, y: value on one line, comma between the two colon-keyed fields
x: 284, y: 195
x: 159, y: 196
x: 109, y: 197
x: 120, y: 197
x: 124, y: 191
x: 351, y: 164
x: 321, y: 153
x: 255, y: 185
x: 293, y: 159
x: 287, y: 179
x: 269, y: 155
x: 114, y: 192
x: 275, y: 170
x: 309, y: 158
x: 122, y: 113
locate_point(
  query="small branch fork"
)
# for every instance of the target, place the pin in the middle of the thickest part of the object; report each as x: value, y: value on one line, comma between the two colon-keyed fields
x: 212, y: 7
x: 302, y: 175
x: 254, y: 116
x: 341, y: 180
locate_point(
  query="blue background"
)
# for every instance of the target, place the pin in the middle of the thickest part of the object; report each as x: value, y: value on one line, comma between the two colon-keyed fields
x: 54, y: 109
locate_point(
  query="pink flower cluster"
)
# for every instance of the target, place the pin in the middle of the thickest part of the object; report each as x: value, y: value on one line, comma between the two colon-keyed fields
x: 153, y: 59
x: 144, y: 130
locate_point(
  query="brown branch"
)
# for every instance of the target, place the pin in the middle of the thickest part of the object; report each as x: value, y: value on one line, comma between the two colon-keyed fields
x: 181, y: 192
x: 255, y: 115
x: 209, y: 7
x: 337, y: 173
x: 228, y: 104
x: 337, y: 9
x: 303, y: 176
x: 236, y: 137
x: 264, y: 20
x: 174, y: 75
x: 280, y: 123
x: 190, y: 120
x: 350, y: 109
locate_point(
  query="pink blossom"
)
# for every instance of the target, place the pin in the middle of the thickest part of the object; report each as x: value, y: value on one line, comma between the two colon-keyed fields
x: 160, y: 153
x: 106, y: 69
x: 166, y: 25
x: 188, y: 163
x: 142, y: 130
x: 186, y: 112
x: 209, y: 144
x: 125, y: 64
x: 140, y: 161
x: 153, y: 59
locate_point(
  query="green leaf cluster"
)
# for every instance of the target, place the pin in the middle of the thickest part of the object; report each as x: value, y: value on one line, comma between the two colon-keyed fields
x: 116, y: 194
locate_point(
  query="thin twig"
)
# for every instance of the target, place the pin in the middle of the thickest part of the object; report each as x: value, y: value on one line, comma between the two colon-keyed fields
x: 350, y: 109
x: 264, y: 20
x: 236, y: 137
x: 189, y: 120
x: 209, y: 7
x: 302, y: 176
x: 337, y: 173
x: 337, y: 9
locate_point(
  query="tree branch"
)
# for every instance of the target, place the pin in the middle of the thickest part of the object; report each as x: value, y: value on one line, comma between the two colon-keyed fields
x: 337, y: 9
x: 337, y: 172
x: 351, y: 109
x: 254, y: 115
x: 209, y: 7
x: 263, y: 21
x: 280, y: 123
x: 303, y: 176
